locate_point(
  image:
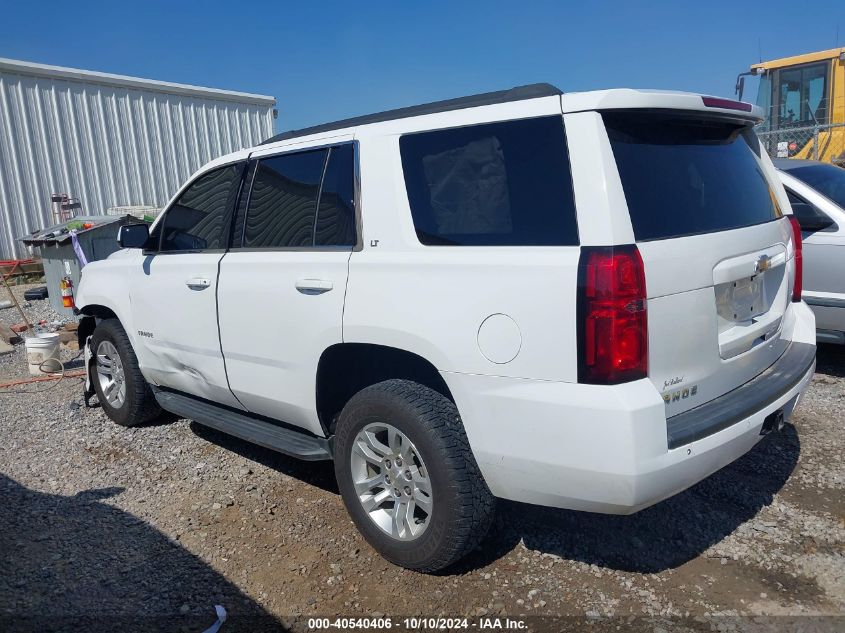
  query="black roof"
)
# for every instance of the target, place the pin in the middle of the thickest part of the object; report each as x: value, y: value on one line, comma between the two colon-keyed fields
x: 519, y: 93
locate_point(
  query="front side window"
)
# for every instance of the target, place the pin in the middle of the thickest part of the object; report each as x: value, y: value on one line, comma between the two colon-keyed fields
x: 496, y: 184
x: 198, y: 219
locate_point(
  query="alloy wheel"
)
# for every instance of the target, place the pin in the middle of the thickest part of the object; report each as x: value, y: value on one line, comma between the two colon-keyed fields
x: 110, y: 374
x: 391, y: 481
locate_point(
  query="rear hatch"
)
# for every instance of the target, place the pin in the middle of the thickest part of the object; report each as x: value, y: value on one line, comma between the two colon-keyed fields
x: 714, y: 244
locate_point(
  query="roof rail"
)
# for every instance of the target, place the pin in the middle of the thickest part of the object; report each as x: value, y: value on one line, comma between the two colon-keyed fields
x: 519, y: 93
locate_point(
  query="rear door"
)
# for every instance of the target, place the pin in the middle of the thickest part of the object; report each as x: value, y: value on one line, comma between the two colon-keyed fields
x: 282, y: 286
x: 715, y: 245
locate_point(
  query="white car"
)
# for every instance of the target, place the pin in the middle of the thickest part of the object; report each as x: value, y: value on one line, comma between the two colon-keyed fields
x: 816, y: 192
x: 585, y: 301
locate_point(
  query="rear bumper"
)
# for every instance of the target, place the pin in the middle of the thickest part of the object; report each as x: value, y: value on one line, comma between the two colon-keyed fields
x: 606, y: 449
x: 744, y: 401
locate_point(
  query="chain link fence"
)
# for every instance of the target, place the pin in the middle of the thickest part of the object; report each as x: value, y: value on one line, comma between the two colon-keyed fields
x: 801, y: 129
x: 815, y: 142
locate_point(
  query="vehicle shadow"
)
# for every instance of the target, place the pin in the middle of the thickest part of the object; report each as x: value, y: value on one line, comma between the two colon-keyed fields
x: 319, y: 474
x: 661, y: 537
x: 658, y: 538
x: 76, y: 563
x: 830, y: 360
x: 162, y: 419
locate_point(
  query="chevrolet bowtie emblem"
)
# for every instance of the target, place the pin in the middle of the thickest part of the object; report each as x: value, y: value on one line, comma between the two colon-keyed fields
x: 764, y: 263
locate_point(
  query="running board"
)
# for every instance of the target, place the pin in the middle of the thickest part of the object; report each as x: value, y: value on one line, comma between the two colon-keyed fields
x: 278, y: 438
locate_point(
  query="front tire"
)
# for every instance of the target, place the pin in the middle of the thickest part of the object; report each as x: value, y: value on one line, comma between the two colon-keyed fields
x: 121, y: 389
x: 408, y: 477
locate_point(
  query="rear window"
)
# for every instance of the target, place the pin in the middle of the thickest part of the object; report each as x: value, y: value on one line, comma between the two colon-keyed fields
x: 828, y: 180
x: 686, y: 175
x: 496, y: 184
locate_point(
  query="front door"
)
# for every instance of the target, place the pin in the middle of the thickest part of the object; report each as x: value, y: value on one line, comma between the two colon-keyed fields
x: 173, y: 289
x: 282, y: 285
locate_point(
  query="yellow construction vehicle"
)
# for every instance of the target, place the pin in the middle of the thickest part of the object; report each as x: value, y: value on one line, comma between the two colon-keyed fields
x: 804, y: 101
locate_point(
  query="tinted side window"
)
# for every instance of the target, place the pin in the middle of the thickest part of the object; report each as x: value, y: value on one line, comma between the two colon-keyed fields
x: 240, y: 209
x: 809, y: 216
x: 497, y: 184
x: 155, y: 237
x: 336, y: 217
x: 283, y: 203
x: 199, y: 217
x: 794, y: 198
x: 799, y: 212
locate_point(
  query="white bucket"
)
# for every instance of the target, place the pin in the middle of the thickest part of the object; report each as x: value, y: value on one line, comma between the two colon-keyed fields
x: 42, y: 354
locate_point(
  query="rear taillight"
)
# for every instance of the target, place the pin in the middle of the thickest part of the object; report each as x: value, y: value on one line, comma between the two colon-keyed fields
x: 612, y: 318
x: 799, y: 259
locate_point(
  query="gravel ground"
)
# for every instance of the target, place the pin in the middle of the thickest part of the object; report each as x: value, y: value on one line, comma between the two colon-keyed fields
x: 122, y: 529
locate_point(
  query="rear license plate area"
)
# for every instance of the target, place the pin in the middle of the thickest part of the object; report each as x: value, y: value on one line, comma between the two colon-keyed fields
x: 741, y: 300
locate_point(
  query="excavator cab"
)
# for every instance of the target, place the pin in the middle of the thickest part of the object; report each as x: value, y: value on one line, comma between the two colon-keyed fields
x: 804, y: 101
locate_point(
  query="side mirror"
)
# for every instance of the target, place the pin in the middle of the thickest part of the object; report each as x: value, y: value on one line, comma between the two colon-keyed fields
x: 740, y: 87
x: 133, y: 235
x: 810, y: 218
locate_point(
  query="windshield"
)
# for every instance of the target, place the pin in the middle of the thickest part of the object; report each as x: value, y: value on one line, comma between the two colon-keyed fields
x: 801, y: 95
x: 828, y: 180
x: 764, y: 99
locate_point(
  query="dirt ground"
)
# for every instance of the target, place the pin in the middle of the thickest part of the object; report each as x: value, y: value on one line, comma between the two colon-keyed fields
x: 109, y: 528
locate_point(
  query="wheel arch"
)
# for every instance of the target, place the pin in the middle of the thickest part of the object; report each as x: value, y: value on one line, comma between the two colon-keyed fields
x: 346, y: 368
x: 90, y: 315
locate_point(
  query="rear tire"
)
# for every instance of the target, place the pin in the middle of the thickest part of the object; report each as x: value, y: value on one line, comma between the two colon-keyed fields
x: 401, y: 450
x: 121, y: 389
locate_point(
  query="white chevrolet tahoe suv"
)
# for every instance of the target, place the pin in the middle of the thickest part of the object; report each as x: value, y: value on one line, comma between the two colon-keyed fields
x: 587, y: 301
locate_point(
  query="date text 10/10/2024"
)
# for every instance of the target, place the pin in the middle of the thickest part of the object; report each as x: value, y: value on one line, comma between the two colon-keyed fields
x: 417, y: 624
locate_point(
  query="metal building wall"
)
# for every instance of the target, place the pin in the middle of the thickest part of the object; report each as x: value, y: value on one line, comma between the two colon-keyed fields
x: 108, y: 140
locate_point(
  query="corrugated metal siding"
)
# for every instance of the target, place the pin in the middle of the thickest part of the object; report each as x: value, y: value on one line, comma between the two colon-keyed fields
x: 108, y: 144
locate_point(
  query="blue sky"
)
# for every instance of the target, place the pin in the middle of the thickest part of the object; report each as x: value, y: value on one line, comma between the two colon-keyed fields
x: 328, y: 60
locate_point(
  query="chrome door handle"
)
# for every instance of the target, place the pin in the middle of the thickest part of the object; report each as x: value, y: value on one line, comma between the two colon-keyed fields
x: 314, y: 286
x: 197, y: 283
